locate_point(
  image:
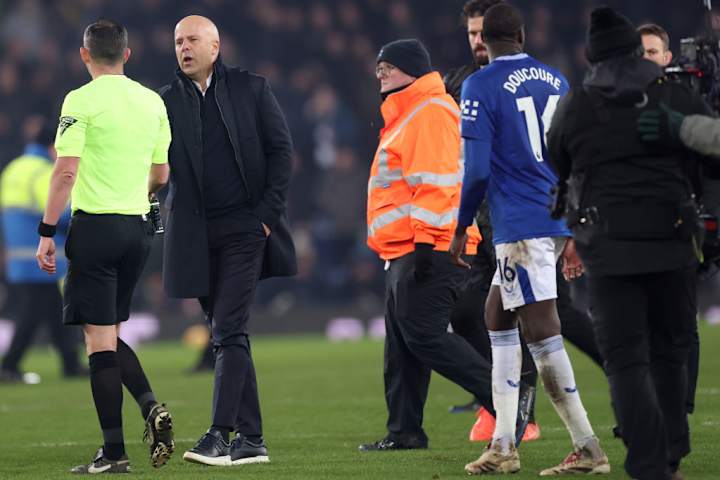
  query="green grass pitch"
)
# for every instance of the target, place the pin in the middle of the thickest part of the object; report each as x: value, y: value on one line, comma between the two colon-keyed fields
x: 319, y: 400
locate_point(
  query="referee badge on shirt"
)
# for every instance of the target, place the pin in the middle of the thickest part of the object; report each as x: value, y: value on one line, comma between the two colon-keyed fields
x: 65, y: 123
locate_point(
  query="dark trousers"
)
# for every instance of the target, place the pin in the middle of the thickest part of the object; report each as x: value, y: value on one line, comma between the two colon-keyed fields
x: 417, y: 341
x: 36, y: 304
x: 644, y: 326
x: 236, y: 255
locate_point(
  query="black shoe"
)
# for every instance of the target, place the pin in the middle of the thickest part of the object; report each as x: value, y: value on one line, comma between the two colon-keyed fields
x: 159, y: 433
x: 387, y: 443
x: 100, y: 464
x: 473, y: 406
x: 526, y: 404
x: 243, y: 451
x: 211, y: 449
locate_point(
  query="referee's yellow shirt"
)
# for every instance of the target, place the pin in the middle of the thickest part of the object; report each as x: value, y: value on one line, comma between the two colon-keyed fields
x: 118, y: 128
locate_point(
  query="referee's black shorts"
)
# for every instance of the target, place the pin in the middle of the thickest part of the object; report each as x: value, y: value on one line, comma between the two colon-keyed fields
x: 107, y: 254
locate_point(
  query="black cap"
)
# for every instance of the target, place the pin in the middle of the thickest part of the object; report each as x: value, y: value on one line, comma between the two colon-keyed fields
x: 610, y: 35
x: 409, y: 55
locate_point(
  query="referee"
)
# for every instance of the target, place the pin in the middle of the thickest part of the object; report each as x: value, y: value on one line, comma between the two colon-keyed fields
x: 119, y: 131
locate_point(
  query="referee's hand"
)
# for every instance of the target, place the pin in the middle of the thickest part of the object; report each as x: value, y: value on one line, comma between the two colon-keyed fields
x: 46, y: 255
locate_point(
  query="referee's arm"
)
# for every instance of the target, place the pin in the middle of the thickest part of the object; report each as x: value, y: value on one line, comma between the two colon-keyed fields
x: 159, y: 174
x: 61, y: 184
x: 159, y: 169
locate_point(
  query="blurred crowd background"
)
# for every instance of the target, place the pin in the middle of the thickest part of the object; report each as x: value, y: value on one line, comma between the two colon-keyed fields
x: 319, y: 56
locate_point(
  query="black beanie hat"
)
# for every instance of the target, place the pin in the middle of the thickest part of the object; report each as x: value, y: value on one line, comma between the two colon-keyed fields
x: 610, y: 35
x: 409, y: 55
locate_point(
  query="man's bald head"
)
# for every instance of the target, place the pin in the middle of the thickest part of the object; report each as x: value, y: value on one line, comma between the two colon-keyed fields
x: 197, y: 45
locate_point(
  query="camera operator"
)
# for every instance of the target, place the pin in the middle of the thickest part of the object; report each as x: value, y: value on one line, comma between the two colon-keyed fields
x: 631, y: 208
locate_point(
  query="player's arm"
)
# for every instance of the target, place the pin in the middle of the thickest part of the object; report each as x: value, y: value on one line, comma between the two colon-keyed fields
x: 478, y: 130
x: 474, y: 186
x: 475, y: 180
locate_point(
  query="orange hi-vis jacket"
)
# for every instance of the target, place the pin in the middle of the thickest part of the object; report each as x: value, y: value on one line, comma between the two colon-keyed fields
x: 416, y: 175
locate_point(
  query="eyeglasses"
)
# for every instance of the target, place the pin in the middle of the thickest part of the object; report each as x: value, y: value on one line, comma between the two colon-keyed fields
x: 382, y: 70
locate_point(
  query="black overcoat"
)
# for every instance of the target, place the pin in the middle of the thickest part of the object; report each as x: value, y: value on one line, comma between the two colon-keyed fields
x: 261, y: 142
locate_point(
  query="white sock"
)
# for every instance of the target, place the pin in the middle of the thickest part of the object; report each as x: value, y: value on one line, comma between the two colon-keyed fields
x: 506, y: 364
x: 556, y: 372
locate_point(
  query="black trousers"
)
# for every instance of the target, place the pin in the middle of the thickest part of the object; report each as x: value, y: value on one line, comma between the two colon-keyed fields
x: 417, y: 341
x: 36, y: 304
x: 644, y: 326
x: 236, y: 254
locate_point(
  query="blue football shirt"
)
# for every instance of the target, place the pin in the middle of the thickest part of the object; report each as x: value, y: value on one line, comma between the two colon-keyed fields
x: 507, y: 108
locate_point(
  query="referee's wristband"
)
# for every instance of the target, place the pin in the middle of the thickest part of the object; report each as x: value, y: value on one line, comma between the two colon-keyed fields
x: 46, y: 230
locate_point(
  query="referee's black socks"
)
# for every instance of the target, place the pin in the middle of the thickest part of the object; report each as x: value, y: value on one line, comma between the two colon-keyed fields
x: 133, y: 377
x: 106, y: 385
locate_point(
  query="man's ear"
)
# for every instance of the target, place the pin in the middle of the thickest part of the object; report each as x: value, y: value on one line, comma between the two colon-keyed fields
x: 668, y: 57
x: 521, y: 36
x: 216, y: 49
x: 126, y: 55
x: 85, y: 55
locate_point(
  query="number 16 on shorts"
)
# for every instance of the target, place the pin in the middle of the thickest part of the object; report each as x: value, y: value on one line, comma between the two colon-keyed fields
x: 506, y: 277
x: 531, y: 278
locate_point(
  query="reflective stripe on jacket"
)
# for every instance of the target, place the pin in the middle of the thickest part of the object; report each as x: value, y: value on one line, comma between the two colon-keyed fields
x: 24, y: 187
x: 416, y: 175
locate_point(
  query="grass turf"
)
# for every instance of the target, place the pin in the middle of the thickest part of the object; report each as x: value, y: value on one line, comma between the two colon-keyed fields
x: 320, y: 400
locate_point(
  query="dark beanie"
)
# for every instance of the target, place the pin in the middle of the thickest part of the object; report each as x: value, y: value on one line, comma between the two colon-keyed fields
x: 409, y: 55
x: 610, y: 35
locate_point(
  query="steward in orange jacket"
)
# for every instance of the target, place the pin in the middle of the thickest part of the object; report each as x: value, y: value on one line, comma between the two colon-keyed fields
x: 413, y: 201
x: 415, y: 179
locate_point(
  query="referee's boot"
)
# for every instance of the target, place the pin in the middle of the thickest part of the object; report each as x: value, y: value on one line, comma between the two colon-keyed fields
x: 100, y: 464
x: 159, y: 434
x: 211, y: 449
x: 244, y: 450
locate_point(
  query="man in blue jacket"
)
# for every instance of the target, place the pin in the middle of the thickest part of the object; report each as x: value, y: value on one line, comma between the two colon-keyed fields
x: 34, y: 295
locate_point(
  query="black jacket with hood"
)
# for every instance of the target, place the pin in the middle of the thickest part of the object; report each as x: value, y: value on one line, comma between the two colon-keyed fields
x: 639, y: 191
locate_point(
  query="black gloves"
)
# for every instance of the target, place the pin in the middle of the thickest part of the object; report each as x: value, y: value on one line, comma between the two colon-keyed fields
x: 423, y: 261
x: 660, y: 126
